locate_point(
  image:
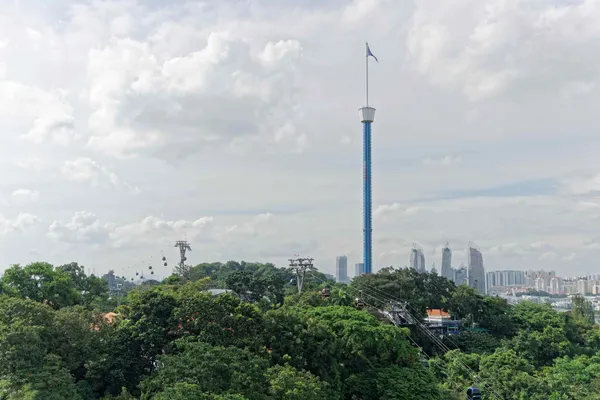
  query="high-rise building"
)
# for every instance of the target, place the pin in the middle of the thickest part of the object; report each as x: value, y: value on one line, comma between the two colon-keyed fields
x: 447, y: 262
x: 531, y: 276
x: 359, y: 269
x: 417, y: 258
x: 540, y: 285
x: 582, y: 287
x: 556, y: 285
x: 476, y: 270
x: 505, y: 278
x: 460, y: 275
x: 341, y: 269
x: 491, y: 279
x: 513, y: 278
x: 433, y: 269
x: 112, y: 282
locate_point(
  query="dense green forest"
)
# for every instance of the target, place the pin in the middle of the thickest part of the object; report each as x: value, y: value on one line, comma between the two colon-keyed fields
x: 174, y: 340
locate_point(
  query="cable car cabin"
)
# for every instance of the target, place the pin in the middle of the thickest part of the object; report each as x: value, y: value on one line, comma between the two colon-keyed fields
x: 293, y: 282
x: 326, y: 292
x: 359, y: 303
x: 473, y: 393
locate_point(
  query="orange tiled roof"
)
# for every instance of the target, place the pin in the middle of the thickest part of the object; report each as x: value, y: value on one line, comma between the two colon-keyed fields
x: 437, y: 313
x: 110, y: 317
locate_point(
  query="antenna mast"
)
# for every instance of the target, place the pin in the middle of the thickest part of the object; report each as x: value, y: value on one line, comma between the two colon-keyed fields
x: 300, y: 265
x: 183, y: 247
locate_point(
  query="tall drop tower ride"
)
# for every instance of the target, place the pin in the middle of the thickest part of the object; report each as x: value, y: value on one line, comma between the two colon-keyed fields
x: 367, y: 116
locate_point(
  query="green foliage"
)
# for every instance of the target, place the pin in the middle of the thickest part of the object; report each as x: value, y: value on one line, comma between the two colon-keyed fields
x: 218, y: 370
x: 189, y: 391
x: 287, y: 383
x: 396, y: 383
x: 422, y: 290
x: 173, y: 340
x: 41, y: 282
x: 543, y: 334
x: 473, y: 342
x: 582, y: 310
x: 252, y: 287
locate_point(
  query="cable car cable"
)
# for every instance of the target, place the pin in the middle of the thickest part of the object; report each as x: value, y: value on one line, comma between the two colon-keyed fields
x: 419, y: 325
x: 433, y: 338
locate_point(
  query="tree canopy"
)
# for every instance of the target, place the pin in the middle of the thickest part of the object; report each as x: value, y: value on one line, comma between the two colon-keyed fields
x: 262, y: 340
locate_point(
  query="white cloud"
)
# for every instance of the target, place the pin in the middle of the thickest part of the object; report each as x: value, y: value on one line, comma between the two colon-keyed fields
x: 358, y: 10
x: 503, y: 248
x: 32, y: 163
x: 387, y: 210
x: 21, y: 222
x: 582, y: 184
x: 84, y: 227
x: 146, y: 102
x: 26, y: 195
x: 252, y: 108
x: 444, y: 161
x: 152, y: 230
x: 257, y: 226
x: 275, y: 53
x: 479, y: 45
x: 549, y: 256
x: 39, y: 114
x: 87, y: 170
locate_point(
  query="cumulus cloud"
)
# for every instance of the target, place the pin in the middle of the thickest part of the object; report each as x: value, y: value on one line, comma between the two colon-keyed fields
x: 83, y: 227
x: 153, y: 230
x: 582, y: 184
x: 479, y: 45
x: 26, y: 195
x: 359, y: 10
x: 444, y: 161
x: 42, y: 115
x: 286, y: 249
x: 147, y: 102
x: 87, y: 170
x: 21, y: 222
x: 231, y: 90
x: 549, y: 256
x: 87, y: 228
x: 257, y: 226
x: 387, y: 210
x: 32, y: 163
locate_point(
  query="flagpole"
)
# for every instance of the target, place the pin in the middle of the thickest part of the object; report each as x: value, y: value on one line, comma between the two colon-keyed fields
x: 367, y: 69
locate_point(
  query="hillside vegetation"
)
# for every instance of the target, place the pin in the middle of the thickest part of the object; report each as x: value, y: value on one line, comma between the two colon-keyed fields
x: 173, y: 340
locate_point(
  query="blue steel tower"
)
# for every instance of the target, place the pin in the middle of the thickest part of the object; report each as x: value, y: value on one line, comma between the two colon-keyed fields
x: 367, y: 116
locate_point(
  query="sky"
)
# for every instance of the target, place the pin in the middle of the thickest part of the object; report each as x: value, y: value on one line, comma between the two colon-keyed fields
x: 127, y: 125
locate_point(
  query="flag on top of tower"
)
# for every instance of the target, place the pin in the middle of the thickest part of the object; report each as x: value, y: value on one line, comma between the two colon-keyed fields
x: 371, y: 54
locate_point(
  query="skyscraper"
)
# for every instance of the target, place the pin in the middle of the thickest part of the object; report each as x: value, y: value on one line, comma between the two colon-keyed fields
x: 341, y: 269
x: 556, y: 285
x: 460, y: 275
x: 359, y: 269
x: 476, y: 270
x: 505, y: 278
x: 447, y: 262
x: 417, y: 258
x: 112, y: 282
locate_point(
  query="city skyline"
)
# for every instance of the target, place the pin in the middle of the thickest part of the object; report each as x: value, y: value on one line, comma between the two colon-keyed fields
x: 341, y: 269
x: 130, y: 125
